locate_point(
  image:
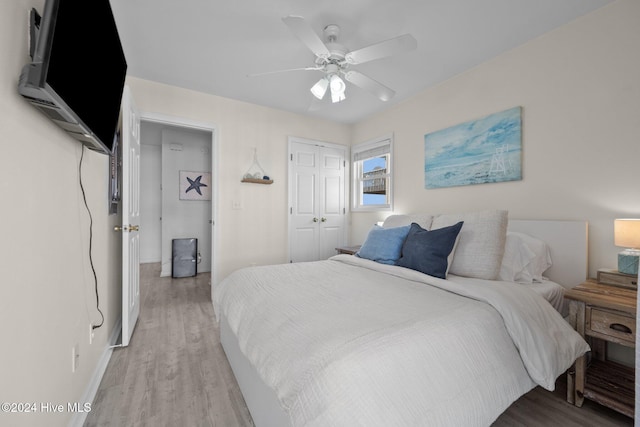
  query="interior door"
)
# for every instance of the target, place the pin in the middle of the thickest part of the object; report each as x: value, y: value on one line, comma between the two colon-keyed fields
x: 317, y: 200
x: 304, y: 230
x: 331, y: 207
x: 130, y: 216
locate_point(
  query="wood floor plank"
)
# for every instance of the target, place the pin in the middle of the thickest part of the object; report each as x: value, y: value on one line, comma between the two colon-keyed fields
x: 540, y: 407
x: 175, y: 372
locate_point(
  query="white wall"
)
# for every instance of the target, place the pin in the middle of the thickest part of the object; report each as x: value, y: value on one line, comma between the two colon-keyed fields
x: 183, y: 218
x: 159, y: 202
x: 150, y: 199
x: 579, y: 87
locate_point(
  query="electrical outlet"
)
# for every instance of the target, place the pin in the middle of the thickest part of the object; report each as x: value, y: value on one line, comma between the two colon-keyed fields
x: 92, y: 334
x: 75, y: 357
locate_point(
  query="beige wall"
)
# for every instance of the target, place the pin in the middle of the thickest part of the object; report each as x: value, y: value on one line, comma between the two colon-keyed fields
x: 256, y: 233
x: 47, y: 297
x: 579, y: 87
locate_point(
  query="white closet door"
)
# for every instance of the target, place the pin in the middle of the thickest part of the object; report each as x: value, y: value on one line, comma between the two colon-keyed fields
x: 332, y: 204
x: 317, y: 200
x: 304, y: 231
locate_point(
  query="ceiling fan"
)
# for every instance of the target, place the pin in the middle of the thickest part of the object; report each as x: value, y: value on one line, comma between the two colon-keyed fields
x: 334, y: 60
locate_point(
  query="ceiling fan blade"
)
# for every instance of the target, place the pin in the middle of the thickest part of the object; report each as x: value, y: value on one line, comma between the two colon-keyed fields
x: 305, y: 33
x: 389, y: 47
x: 370, y: 85
x: 285, y: 71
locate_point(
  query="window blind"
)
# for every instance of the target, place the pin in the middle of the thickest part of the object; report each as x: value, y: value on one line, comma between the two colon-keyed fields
x: 376, y: 151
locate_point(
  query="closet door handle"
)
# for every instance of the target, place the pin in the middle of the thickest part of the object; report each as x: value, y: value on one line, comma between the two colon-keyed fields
x: 315, y: 219
x: 323, y: 219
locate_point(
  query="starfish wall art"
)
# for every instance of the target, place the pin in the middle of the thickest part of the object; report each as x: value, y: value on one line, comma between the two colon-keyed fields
x: 195, y: 185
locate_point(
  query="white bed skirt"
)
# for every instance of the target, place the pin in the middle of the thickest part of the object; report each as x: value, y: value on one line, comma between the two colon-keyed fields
x: 262, y: 401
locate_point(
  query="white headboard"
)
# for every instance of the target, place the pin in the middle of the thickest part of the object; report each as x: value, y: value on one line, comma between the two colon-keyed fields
x: 567, y: 241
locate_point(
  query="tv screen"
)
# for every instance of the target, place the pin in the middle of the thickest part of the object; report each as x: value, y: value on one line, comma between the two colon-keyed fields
x: 78, y: 72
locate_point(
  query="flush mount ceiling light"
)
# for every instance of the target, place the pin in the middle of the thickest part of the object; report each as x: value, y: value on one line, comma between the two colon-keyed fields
x: 333, y: 59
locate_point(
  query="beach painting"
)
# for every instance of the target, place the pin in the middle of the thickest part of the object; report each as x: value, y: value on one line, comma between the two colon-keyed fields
x: 476, y: 152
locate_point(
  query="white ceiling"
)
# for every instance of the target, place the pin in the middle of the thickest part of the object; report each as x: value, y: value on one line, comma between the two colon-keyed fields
x: 210, y: 46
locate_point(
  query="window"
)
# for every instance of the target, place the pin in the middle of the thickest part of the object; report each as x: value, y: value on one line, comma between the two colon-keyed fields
x: 372, y: 175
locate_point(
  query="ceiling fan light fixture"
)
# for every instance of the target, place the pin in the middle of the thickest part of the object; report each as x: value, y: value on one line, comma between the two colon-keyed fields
x: 333, y: 59
x: 337, y: 88
x: 320, y: 88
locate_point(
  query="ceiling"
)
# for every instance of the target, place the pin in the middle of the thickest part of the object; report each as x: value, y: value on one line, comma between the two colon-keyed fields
x: 211, y: 46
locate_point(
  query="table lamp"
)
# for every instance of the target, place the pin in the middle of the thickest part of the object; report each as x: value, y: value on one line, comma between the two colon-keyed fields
x: 627, y: 235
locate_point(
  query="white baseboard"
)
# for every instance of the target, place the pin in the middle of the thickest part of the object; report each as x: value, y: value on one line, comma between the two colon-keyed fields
x: 79, y: 418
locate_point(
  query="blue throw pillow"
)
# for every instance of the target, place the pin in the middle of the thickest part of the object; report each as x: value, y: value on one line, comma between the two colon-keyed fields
x: 428, y: 251
x: 383, y: 245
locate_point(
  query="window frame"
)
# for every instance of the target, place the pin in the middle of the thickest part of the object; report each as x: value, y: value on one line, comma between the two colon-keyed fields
x: 378, y: 144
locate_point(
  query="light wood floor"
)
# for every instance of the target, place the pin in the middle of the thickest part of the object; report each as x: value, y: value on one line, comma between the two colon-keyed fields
x: 175, y: 373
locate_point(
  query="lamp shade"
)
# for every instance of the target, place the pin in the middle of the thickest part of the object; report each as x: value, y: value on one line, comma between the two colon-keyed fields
x: 320, y: 88
x: 337, y: 88
x: 627, y: 233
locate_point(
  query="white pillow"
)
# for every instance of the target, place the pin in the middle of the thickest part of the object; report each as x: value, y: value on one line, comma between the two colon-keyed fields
x: 516, y: 257
x: 423, y: 220
x: 480, y: 249
x: 525, y: 259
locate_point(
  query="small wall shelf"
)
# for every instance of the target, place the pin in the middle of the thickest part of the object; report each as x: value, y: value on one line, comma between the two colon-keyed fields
x: 255, y: 174
x: 257, y: 181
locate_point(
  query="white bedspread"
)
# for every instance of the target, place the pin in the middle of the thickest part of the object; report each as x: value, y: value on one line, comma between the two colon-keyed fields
x: 350, y: 342
x: 552, y: 292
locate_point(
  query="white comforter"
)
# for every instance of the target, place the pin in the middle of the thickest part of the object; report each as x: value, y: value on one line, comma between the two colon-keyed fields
x: 350, y: 342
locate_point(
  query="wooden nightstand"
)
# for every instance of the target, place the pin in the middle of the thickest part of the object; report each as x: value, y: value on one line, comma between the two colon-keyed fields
x: 349, y: 250
x: 603, y: 313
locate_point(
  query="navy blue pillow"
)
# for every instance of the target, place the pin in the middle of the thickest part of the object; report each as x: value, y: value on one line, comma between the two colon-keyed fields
x: 427, y: 251
x: 383, y: 245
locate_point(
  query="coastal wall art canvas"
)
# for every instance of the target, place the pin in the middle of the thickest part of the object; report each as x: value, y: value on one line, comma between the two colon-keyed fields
x: 476, y: 152
x: 195, y: 185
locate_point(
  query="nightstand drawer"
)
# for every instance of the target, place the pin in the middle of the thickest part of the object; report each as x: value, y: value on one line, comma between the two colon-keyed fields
x: 611, y: 325
x: 615, y: 278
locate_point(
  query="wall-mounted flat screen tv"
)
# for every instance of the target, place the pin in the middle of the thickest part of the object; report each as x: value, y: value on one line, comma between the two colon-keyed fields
x: 78, y: 69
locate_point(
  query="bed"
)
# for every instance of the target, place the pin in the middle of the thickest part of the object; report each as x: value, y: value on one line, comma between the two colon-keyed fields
x: 352, y: 341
